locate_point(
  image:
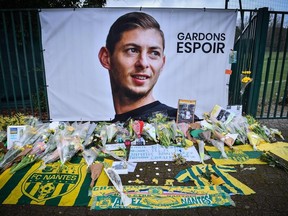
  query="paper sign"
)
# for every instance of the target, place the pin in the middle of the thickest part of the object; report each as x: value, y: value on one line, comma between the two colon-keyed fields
x: 14, y: 133
x: 157, y: 152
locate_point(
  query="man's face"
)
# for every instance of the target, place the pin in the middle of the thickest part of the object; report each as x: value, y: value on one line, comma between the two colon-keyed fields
x: 136, y: 62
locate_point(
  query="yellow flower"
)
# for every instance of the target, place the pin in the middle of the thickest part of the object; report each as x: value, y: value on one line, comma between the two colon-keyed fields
x: 246, y: 79
x: 16, y: 119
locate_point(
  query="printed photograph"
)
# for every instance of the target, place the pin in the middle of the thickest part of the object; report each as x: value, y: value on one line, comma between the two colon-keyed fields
x: 186, y: 110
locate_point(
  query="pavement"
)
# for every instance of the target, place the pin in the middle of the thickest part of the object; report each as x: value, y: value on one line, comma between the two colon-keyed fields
x: 269, y: 183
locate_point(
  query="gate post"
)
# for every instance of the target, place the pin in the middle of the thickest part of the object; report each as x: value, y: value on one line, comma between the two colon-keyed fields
x: 258, y: 59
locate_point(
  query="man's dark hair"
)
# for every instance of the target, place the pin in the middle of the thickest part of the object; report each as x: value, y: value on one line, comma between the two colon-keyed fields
x: 128, y: 22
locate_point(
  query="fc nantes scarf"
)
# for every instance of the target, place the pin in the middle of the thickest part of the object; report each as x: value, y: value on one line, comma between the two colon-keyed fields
x: 280, y: 149
x: 160, y: 197
x: 202, y: 175
x: 240, y: 154
x: 48, y: 186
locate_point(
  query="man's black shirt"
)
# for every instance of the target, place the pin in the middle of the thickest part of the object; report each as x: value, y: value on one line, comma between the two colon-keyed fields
x: 143, y: 113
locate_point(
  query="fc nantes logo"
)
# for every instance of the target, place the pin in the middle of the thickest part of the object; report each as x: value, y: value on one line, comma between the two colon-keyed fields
x: 50, y: 182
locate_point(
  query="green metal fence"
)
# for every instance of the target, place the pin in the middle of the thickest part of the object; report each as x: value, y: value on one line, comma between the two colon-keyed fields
x: 261, y: 48
x: 22, y: 80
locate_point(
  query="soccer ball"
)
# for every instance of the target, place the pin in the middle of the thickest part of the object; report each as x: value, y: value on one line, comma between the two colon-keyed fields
x: 46, y: 189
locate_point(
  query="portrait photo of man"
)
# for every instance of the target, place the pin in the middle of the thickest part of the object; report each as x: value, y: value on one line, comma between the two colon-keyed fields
x: 134, y: 56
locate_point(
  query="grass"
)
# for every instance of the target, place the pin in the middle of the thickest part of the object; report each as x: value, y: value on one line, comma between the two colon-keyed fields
x: 271, y: 94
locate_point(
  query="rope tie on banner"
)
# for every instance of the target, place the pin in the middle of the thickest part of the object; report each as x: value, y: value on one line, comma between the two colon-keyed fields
x: 141, y: 8
x: 204, y: 9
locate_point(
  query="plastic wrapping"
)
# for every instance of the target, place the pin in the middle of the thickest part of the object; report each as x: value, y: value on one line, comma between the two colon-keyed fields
x: 220, y: 146
x: 116, y: 181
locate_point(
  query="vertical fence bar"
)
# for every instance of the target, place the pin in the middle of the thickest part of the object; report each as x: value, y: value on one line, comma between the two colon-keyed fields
x: 249, y: 37
x: 34, y: 65
x: 274, y: 74
x: 276, y: 66
x: 17, y: 59
x: 3, y: 76
x: 25, y: 61
x: 244, y: 47
x: 9, y: 62
x: 282, y: 70
x: 268, y: 68
x: 258, y: 56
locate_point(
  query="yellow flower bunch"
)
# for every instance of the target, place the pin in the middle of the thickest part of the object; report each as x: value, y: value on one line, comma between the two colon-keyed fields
x: 16, y: 119
x: 246, y: 72
x: 246, y: 77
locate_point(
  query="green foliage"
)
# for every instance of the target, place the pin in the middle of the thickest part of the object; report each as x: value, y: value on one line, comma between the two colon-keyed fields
x: 16, y: 119
x: 10, y: 4
x: 39, y: 100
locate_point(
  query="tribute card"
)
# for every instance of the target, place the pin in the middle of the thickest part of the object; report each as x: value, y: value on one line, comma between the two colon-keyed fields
x: 186, y: 110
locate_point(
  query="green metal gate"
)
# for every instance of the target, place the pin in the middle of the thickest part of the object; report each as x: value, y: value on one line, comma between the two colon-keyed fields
x: 22, y: 80
x: 262, y: 49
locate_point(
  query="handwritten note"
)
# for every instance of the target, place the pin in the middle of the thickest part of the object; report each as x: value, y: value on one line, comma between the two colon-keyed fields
x: 157, y: 152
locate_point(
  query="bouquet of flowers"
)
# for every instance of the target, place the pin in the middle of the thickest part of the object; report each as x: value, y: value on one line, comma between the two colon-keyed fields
x: 14, y: 155
x: 9, y: 157
x: 220, y: 146
x: 150, y: 132
x: 111, y: 131
x: 89, y: 136
x: 80, y: 129
x: 158, y: 117
x: 30, y: 154
x: 137, y: 127
x: 90, y: 155
x: 239, y: 125
x: 257, y: 128
x: 3, y: 151
x: 50, y: 157
x: 25, y: 161
x: 122, y: 133
x: 100, y: 133
x: 49, y: 146
x: 116, y: 181
x: 177, y: 136
x: 31, y: 134
x: 184, y: 127
x: 103, y: 135
x: 70, y: 142
x: 95, y: 169
x: 254, y: 139
x: 3, y: 136
x: 51, y: 153
x: 68, y: 147
x: 245, y: 80
x: 274, y: 161
x: 164, y: 134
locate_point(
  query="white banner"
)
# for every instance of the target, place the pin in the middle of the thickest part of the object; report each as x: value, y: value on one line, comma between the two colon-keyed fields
x: 198, y: 43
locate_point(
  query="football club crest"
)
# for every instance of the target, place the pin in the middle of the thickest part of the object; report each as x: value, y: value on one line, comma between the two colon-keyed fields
x: 51, y: 181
